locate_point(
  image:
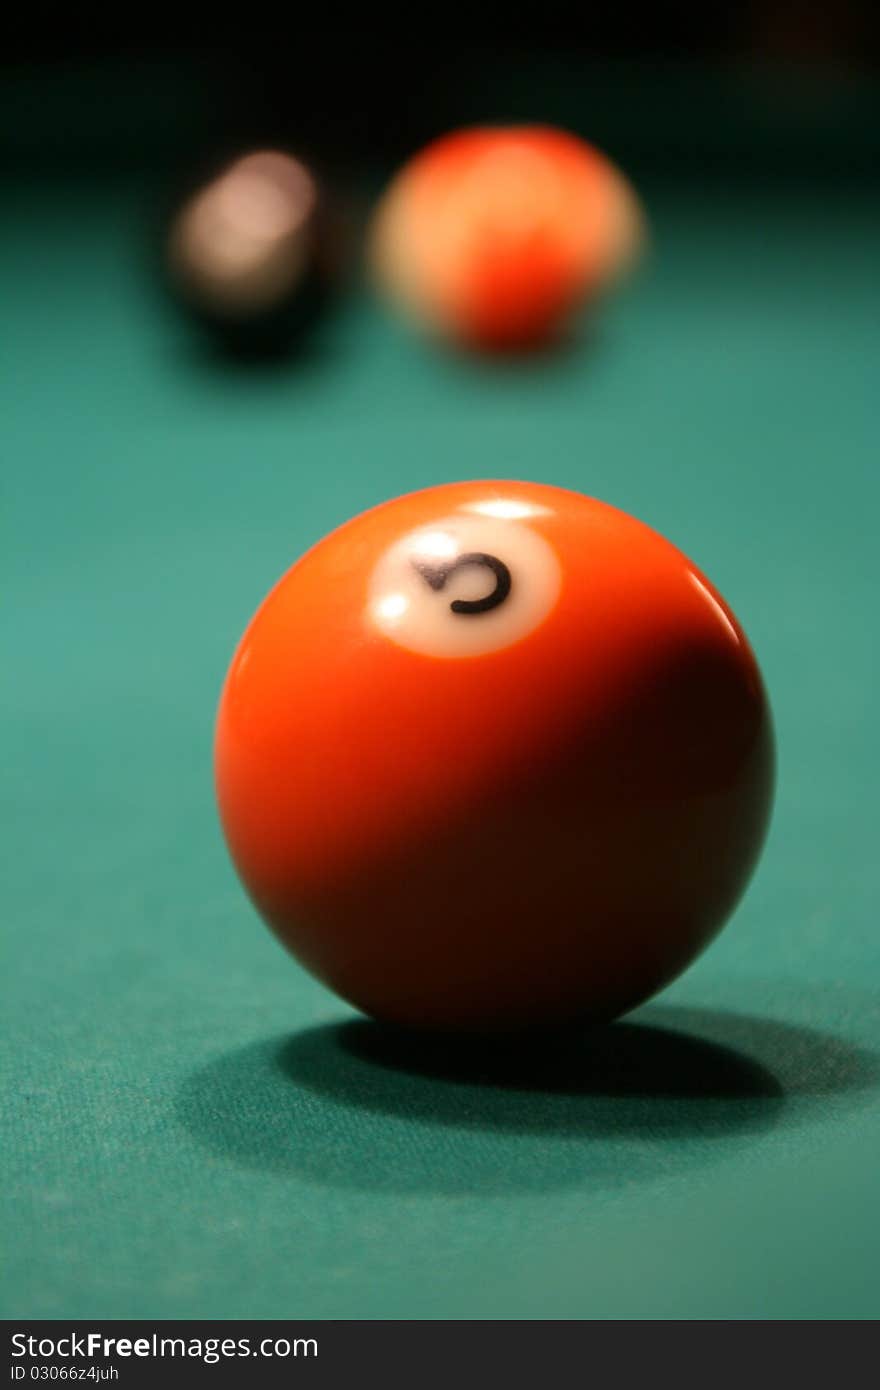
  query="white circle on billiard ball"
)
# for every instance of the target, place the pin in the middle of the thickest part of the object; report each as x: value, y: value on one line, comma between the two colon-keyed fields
x: 464, y: 586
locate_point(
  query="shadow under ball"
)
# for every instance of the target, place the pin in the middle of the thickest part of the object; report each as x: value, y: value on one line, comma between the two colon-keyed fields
x: 494, y: 755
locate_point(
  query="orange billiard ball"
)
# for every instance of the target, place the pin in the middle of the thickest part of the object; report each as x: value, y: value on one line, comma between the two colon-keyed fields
x: 494, y: 754
x: 493, y: 236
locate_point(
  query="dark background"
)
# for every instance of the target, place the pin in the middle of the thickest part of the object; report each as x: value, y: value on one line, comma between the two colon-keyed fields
x: 800, y: 74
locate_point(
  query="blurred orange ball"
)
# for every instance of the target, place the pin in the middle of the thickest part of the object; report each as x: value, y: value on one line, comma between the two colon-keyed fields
x: 493, y: 236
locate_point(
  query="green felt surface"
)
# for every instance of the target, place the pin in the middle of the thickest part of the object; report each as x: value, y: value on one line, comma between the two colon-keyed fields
x: 195, y: 1128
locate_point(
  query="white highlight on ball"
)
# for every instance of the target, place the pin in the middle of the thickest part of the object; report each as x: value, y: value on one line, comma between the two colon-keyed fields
x: 439, y: 544
x: 506, y: 509
x: 391, y: 607
x: 714, y: 604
